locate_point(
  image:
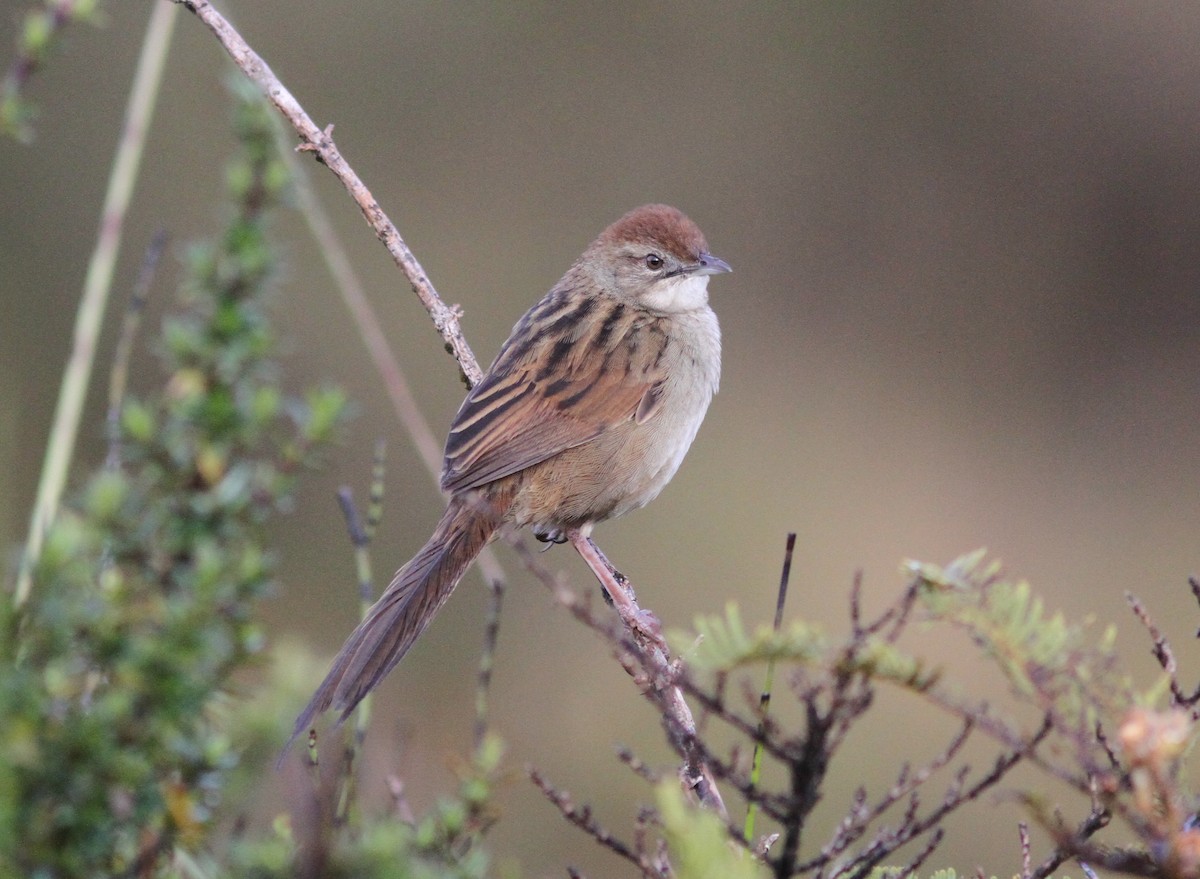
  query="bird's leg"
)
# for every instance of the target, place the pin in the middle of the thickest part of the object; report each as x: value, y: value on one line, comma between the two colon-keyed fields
x: 616, y: 585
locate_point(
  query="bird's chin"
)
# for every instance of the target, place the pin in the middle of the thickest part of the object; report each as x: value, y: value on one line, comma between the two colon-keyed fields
x: 678, y: 294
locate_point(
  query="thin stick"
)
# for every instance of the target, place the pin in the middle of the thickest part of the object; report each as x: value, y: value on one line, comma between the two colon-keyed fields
x: 582, y: 817
x: 119, y: 377
x: 360, y: 538
x: 487, y: 660
x: 320, y: 142
x: 375, y: 504
x: 96, y: 288
x: 764, y: 701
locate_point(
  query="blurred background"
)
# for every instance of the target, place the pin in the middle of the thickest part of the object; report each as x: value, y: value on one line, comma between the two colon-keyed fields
x: 965, y: 312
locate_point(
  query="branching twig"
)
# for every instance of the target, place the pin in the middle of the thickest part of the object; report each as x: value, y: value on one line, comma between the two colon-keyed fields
x: 1162, y: 652
x: 581, y: 817
x: 1096, y: 820
x: 645, y: 656
x: 764, y: 701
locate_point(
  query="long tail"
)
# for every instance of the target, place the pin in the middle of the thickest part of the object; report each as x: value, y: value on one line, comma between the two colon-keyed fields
x: 398, y: 618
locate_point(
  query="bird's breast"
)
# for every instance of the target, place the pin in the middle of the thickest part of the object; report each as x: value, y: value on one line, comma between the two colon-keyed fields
x: 626, y: 467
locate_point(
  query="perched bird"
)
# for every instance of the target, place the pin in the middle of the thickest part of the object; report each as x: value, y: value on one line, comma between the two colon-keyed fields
x: 585, y: 414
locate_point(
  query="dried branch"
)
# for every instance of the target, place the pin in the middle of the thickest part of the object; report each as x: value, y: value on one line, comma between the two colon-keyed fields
x: 1162, y: 652
x: 1096, y: 820
x: 320, y: 143
x: 581, y: 817
x: 487, y: 658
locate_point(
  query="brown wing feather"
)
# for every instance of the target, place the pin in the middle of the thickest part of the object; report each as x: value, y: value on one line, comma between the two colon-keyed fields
x: 564, y: 376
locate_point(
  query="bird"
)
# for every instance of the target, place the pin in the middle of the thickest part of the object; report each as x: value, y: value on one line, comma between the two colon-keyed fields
x: 585, y: 415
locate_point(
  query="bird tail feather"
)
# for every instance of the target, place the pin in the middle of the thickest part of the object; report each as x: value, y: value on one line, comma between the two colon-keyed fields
x: 404, y: 610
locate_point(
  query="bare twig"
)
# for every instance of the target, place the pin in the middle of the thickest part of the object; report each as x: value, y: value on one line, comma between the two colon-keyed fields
x: 119, y: 375
x: 1162, y: 648
x: 638, y: 766
x: 1026, y: 858
x: 652, y: 650
x: 360, y: 538
x: 320, y: 142
x: 487, y: 658
x: 935, y: 840
x: 764, y: 701
x: 366, y: 321
x: 581, y: 817
x: 1096, y: 820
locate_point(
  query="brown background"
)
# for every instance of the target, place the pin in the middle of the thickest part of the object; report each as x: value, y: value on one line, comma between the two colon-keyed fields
x: 964, y: 312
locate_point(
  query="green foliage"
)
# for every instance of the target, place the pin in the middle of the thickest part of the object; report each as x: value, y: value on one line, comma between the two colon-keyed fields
x: 699, y: 841
x: 722, y: 642
x: 1044, y: 658
x: 442, y: 845
x: 123, y: 741
x: 113, y: 713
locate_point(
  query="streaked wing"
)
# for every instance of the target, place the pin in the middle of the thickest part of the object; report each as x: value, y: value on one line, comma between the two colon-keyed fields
x: 571, y: 369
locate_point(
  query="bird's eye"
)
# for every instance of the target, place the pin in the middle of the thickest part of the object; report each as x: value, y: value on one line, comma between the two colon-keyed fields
x: 654, y: 261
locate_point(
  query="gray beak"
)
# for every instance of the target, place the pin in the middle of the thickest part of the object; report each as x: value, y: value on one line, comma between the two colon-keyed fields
x: 711, y: 265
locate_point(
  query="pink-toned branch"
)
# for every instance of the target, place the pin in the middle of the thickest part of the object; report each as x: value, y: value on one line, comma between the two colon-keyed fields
x: 320, y: 142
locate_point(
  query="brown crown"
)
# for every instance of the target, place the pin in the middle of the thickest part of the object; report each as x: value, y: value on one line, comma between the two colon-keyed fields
x: 657, y: 225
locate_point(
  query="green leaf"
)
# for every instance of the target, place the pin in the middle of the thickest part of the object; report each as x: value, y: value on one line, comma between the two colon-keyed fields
x: 699, y: 842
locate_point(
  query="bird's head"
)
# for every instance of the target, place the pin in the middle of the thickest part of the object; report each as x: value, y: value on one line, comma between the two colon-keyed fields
x: 654, y: 257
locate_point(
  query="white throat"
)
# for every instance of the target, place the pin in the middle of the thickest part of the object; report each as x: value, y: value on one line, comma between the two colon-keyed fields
x: 683, y: 293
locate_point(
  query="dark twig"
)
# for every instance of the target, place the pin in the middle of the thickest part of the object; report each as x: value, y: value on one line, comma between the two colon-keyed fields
x: 935, y: 840
x: 487, y: 658
x: 1162, y: 652
x: 764, y: 700
x: 354, y: 526
x: 1026, y: 857
x: 119, y: 375
x: 908, y: 782
x: 581, y: 817
x: 644, y: 654
x: 638, y: 767
x: 1096, y: 820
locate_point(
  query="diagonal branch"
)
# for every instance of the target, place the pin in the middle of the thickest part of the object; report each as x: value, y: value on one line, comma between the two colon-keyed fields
x: 320, y: 142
